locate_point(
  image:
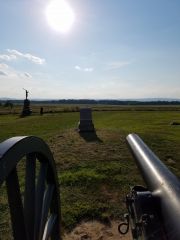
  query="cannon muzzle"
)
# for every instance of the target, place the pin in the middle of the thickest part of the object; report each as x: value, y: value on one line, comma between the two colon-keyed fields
x: 163, y: 184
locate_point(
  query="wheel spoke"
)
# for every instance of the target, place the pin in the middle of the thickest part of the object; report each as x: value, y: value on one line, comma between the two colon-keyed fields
x: 49, y: 227
x: 29, y: 197
x: 16, y: 207
x: 39, y: 197
x: 46, y: 206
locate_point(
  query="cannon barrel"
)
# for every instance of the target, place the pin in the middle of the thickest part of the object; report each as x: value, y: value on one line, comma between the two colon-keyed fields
x: 161, y: 182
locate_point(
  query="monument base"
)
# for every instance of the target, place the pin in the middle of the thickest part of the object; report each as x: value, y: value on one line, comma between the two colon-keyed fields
x: 86, y: 126
x: 26, y: 108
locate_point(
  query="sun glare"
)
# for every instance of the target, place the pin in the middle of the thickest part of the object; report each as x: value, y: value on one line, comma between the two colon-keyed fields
x: 60, y: 15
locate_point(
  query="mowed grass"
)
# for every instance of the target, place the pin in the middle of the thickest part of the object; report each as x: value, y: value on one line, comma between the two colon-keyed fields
x: 96, y: 173
x: 41, y: 126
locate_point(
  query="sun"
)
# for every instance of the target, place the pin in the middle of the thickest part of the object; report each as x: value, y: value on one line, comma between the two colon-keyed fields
x: 60, y: 15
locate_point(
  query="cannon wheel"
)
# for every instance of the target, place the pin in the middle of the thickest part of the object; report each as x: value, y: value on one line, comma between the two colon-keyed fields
x: 35, y: 214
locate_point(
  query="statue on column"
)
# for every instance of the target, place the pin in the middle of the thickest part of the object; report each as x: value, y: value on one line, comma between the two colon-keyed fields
x: 26, y: 107
x: 26, y: 93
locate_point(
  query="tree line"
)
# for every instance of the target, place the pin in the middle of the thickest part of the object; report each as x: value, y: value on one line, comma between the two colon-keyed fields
x: 10, y: 103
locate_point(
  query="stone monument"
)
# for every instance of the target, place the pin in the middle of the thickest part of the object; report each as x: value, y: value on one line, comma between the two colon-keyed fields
x: 85, y: 123
x: 26, y: 108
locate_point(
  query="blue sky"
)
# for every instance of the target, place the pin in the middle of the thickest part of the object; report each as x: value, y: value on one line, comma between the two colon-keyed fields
x: 115, y: 49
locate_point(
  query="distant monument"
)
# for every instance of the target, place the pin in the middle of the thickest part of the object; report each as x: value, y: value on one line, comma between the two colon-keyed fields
x: 85, y: 123
x: 41, y: 111
x: 26, y: 108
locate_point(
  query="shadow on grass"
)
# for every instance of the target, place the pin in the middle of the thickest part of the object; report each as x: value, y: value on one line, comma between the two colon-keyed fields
x: 90, y: 136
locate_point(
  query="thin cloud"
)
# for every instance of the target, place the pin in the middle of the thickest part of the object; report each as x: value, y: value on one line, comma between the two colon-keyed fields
x: 87, y: 69
x: 27, y: 75
x: 2, y: 73
x: 14, y: 52
x: 78, y: 68
x: 118, y: 65
x: 3, y: 66
x: 14, y: 55
x: 8, y: 57
x: 34, y: 59
x: 6, y: 70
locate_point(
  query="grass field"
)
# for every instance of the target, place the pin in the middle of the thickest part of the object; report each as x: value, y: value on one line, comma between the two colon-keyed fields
x: 95, y: 175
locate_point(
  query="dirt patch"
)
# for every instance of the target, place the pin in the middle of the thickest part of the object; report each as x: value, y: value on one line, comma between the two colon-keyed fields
x: 94, y: 230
